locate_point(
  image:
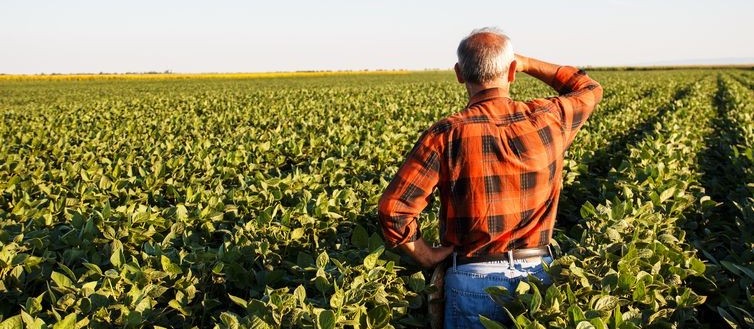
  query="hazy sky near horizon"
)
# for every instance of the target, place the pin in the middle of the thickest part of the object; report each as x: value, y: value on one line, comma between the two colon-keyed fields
x: 252, y: 36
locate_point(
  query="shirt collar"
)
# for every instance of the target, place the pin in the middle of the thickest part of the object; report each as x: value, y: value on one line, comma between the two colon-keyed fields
x: 486, y: 95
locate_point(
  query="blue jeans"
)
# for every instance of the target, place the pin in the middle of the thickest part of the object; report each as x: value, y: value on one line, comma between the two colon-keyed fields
x: 465, y: 298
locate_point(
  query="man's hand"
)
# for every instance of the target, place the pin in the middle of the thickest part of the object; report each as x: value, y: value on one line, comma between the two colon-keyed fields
x: 426, y: 255
x: 521, y: 63
x: 541, y: 70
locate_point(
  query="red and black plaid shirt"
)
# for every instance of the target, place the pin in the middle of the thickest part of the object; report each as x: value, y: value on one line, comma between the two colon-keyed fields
x: 497, y: 165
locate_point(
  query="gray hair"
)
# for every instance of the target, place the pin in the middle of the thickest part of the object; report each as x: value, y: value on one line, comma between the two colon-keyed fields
x: 483, y: 59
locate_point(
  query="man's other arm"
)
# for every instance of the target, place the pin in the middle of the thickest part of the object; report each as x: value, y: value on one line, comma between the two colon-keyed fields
x: 405, y: 198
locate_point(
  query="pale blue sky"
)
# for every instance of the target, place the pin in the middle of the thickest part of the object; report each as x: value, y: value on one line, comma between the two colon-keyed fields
x: 253, y: 36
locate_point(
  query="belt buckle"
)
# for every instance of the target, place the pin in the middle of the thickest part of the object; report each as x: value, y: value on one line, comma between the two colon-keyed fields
x: 510, y: 260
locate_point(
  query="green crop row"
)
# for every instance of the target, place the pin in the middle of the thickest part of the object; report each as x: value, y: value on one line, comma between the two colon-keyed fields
x: 725, y: 233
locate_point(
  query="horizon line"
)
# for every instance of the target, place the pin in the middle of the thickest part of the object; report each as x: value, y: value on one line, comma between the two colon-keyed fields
x: 657, y: 65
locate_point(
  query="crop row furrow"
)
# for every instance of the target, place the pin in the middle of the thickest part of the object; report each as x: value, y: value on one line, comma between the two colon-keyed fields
x: 723, y: 229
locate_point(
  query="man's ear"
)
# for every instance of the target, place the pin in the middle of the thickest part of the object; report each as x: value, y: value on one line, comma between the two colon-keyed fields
x: 512, y: 71
x: 459, y: 77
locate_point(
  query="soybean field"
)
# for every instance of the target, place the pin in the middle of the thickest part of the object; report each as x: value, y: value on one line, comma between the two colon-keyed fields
x: 250, y: 202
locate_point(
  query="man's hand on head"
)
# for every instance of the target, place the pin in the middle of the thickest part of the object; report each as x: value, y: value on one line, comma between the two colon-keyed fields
x: 543, y: 71
x: 426, y: 255
x: 521, y: 63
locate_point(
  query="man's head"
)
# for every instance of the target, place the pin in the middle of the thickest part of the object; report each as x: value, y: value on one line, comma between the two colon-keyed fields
x: 484, y: 57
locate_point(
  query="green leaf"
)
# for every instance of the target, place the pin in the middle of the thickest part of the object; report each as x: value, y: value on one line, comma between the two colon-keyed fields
x: 19, y: 259
x: 259, y: 323
x: 169, y: 266
x: 88, y: 288
x: 536, y: 300
x: 326, y: 320
x: 375, y: 241
x: 14, y: 322
x: 379, y: 317
x: 69, y: 322
x: 585, y: 325
x: 745, y: 271
x: 552, y: 298
x: 321, y: 283
x: 31, y: 322
x: 689, y: 299
x: 587, y: 210
x: 499, y: 294
x: 61, y: 280
x: 667, y: 194
x: 370, y: 261
x: 727, y: 317
x: 598, y: 323
x: 297, y: 233
x: 117, y: 258
x: 338, y: 265
x: 360, y: 237
x: 746, y: 315
x: 133, y: 319
x: 618, y: 210
x: 490, y: 324
x: 570, y: 295
x: 661, y: 316
x: 522, y: 322
x: 300, y: 293
x: 606, y: 303
x: 416, y: 282
x: 322, y: 259
x: 218, y: 268
x: 697, y: 265
x: 181, y: 213
x: 639, y: 291
x: 304, y: 260
x: 575, y: 314
x: 522, y: 288
x: 238, y: 301
x: 337, y: 299
x: 177, y: 306
x: 230, y: 320
x: 34, y: 304
x: 617, y: 319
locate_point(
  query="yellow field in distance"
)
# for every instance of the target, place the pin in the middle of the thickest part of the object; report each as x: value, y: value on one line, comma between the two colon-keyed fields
x: 169, y: 76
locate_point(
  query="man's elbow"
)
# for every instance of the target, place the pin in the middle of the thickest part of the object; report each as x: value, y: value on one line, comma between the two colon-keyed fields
x: 385, y: 210
x: 389, y: 219
x: 597, y: 91
x: 384, y: 207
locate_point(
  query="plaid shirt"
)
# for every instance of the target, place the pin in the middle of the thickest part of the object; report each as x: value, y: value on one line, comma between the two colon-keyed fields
x: 497, y: 165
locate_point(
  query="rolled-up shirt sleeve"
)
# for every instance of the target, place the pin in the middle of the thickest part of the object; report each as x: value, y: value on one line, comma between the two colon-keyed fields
x: 408, y: 193
x: 579, y: 95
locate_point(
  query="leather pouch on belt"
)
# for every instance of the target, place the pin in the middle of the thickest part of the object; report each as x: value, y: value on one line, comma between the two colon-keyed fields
x: 436, y: 299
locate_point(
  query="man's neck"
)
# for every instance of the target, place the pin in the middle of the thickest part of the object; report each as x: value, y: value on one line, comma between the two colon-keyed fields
x: 473, y: 88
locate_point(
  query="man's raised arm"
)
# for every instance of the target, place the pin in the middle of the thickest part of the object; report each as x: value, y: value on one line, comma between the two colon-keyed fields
x: 564, y: 79
x: 579, y: 94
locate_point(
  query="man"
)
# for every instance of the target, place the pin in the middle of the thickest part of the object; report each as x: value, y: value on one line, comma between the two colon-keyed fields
x: 497, y: 165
